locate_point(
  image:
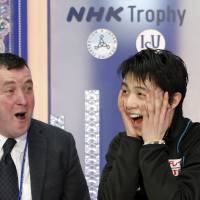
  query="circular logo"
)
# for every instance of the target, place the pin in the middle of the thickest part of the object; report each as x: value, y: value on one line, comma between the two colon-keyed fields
x: 4, y: 27
x: 102, y: 43
x: 150, y: 38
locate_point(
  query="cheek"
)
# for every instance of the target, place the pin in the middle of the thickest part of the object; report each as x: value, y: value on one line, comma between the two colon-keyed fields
x: 133, y: 102
x: 6, y: 105
x: 141, y: 103
x: 126, y: 101
x: 6, y: 111
x: 31, y: 101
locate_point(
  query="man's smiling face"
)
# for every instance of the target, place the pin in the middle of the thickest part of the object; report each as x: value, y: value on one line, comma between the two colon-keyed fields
x: 16, y: 101
x: 135, y: 94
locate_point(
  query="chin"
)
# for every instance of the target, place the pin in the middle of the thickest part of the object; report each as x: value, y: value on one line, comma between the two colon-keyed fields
x: 139, y: 130
x: 21, y: 130
x: 138, y: 127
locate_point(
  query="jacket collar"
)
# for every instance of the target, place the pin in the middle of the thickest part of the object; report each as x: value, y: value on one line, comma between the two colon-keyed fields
x: 37, y: 146
x: 177, y: 128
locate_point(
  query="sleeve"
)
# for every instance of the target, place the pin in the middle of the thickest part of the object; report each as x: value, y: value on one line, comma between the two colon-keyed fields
x: 119, y: 178
x: 158, y: 179
x: 75, y: 186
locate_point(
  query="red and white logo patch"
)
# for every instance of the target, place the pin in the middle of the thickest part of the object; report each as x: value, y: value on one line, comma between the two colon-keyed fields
x: 175, y: 165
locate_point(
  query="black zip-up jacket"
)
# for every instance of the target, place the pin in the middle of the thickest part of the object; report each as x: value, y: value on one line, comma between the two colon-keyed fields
x: 168, y: 171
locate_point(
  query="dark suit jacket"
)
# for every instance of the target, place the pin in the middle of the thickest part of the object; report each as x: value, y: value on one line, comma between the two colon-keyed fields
x: 55, y: 169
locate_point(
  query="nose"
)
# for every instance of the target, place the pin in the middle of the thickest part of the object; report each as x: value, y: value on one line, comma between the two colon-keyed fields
x: 131, y: 102
x: 21, y: 98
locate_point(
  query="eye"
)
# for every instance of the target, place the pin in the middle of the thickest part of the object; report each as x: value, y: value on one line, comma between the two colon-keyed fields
x: 28, y: 88
x: 124, y: 91
x: 141, y: 94
x: 10, y: 91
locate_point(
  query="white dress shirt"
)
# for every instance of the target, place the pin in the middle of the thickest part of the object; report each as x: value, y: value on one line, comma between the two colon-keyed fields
x: 17, y: 154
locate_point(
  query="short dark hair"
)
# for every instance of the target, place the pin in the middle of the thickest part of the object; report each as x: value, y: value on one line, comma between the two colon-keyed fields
x: 165, y: 69
x: 11, y: 61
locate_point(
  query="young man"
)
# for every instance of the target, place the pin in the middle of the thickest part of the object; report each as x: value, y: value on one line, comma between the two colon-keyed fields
x: 37, y: 161
x: 158, y: 157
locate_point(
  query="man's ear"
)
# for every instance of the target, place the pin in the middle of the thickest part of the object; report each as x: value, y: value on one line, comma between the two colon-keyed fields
x: 176, y: 98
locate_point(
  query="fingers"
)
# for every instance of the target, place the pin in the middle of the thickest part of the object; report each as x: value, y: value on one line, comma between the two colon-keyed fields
x: 158, y: 99
x: 154, y: 104
x: 156, y: 114
x: 150, y: 104
x: 157, y: 103
x: 168, y: 117
x: 144, y: 113
x: 165, y: 105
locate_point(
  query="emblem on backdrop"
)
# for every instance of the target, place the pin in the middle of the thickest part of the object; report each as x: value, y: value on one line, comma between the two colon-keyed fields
x: 58, y: 121
x: 150, y: 38
x: 4, y: 23
x: 102, y: 43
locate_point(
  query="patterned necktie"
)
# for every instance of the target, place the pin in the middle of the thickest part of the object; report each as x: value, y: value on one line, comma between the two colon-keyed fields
x: 8, y: 173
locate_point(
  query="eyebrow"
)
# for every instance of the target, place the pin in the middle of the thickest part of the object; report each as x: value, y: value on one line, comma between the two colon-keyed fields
x: 8, y: 83
x: 124, y: 84
x: 29, y: 81
x: 13, y: 82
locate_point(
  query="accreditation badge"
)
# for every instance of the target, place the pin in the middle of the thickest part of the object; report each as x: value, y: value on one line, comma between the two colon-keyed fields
x: 175, y: 165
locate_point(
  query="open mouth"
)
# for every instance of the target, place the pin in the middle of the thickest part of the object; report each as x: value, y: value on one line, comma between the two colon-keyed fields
x: 136, y: 118
x: 20, y: 115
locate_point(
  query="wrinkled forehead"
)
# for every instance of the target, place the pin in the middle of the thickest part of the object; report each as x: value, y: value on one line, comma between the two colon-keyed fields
x: 16, y: 75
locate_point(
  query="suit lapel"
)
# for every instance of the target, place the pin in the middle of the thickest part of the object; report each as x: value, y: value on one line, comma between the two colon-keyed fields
x: 37, y: 148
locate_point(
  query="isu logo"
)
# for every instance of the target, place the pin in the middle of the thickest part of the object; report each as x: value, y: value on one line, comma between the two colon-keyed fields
x: 150, y: 38
x: 175, y: 165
